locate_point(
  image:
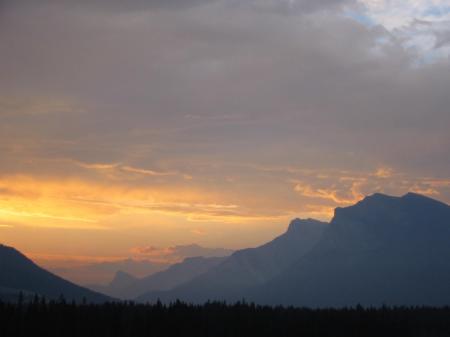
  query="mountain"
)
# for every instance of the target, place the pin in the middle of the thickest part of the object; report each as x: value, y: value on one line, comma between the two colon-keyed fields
x: 126, y: 287
x: 383, y: 250
x: 101, y: 272
x: 146, y: 260
x: 122, y: 280
x: 18, y: 273
x: 248, y: 267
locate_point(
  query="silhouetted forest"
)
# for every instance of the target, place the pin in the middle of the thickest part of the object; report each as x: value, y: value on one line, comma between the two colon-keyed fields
x: 126, y: 319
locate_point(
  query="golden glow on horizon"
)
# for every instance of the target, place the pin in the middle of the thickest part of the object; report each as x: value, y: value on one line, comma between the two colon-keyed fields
x: 76, y: 202
x: 142, y: 210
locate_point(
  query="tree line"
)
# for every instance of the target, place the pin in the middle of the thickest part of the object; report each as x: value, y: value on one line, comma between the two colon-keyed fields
x: 59, y: 318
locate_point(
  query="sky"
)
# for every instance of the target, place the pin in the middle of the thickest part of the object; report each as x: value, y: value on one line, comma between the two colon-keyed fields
x: 126, y: 126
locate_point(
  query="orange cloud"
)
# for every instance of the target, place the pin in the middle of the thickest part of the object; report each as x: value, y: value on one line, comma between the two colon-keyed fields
x: 116, y: 170
x: 383, y: 172
x: 177, y: 253
x: 74, y: 203
x: 334, y: 194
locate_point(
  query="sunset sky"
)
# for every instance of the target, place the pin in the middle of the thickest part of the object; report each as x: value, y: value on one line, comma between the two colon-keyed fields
x: 133, y: 124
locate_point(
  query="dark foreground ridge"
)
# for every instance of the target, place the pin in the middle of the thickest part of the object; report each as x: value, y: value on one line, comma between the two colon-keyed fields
x: 61, y: 319
x: 18, y: 274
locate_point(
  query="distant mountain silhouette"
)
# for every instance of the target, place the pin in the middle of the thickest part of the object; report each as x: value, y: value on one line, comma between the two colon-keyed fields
x: 126, y: 287
x: 102, y: 272
x: 146, y: 261
x: 383, y: 250
x: 20, y: 274
x: 248, y: 267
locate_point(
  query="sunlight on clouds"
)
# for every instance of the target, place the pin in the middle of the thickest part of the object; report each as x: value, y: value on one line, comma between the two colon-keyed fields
x: 334, y: 194
x: 20, y: 214
x: 95, y: 166
x: 81, y: 204
x: 118, y: 170
x: 383, y: 172
x: 318, y: 212
x: 184, y: 211
x: 350, y: 188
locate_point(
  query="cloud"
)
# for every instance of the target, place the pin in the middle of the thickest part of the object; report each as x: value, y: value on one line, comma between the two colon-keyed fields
x: 419, y: 25
x: 339, y: 195
x: 82, y: 204
x: 146, y: 171
x: 22, y: 214
x: 117, y: 6
x: 354, y: 186
x: 383, y: 172
x: 177, y: 253
x: 118, y: 168
x: 275, y: 109
x: 96, y: 166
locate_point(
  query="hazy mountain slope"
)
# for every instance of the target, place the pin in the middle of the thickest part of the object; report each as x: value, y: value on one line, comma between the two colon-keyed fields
x: 19, y: 272
x: 164, y: 280
x: 249, y: 267
x: 382, y: 250
x: 101, y: 273
x: 120, y: 281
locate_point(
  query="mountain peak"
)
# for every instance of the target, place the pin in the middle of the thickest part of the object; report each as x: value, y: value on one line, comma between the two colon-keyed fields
x: 378, y: 202
x: 378, y: 197
x: 302, y: 224
x: 383, y: 218
x: 411, y: 196
x: 122, y: 279
x: 406, y: 197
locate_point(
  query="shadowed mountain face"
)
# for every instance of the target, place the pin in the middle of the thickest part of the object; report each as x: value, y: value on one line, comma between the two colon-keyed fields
x: 127, y: 287
x: 249, y: 267
x: 18, y: 273
x: 383, y: 250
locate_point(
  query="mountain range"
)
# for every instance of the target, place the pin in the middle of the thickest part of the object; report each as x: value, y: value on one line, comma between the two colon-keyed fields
x: 125, y: 286
x: 247, y: 268
x: 382, y: 250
